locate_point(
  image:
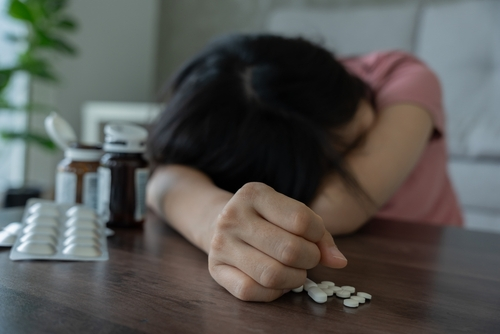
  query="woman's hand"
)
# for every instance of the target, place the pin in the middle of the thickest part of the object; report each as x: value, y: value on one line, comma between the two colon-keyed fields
x: 263, y: 242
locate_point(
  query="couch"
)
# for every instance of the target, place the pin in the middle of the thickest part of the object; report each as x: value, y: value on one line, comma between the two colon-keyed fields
x: 460, y: 41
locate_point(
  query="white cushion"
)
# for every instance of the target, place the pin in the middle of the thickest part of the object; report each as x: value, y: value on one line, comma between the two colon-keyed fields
x: 460, y: 41
x: 349, y: 31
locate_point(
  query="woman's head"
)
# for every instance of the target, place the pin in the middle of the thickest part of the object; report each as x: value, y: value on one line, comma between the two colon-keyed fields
x: 259, y: 108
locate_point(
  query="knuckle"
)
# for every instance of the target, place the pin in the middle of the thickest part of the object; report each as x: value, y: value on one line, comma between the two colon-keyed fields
x: 218, y: 243
x: 243, y: 290
x: 227, y: 219
x: 251, y: 190
x: 271, y: 276
x: 290, y: 253
x: 300, y: 220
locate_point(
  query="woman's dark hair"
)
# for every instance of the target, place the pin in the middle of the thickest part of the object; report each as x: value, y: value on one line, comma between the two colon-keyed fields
x: 259, y: 108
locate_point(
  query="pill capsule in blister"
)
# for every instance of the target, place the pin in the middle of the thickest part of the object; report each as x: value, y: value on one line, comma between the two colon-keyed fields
x: 81, y: 232
x: 81, y: 212
x: 81, y: 223
x: 318, y: 295
x: 365, y: 295
x: 7, y: 239
x: 348, y: 288
x: 38, y: 248
x: 46, y: 238
x: 43, y: 209
x: 299, y: 289
x: 351, y: 303
x: 87, y: 241
x: 343, y: 294
x: 309, y: 284
x: 82, y: 250
x: 359, y: 299
x: 40, y: 229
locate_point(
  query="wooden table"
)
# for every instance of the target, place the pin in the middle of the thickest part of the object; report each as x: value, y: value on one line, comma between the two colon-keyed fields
x: 423, y: 279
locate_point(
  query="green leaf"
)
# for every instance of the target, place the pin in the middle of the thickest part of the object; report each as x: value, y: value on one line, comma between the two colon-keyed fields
x: 5, y: 76
x: 53, y: 6
x: 67, y: 24
x: 19, y: 10
x: 30, y: 137
x: 53, y: 42
x: 37, y: 67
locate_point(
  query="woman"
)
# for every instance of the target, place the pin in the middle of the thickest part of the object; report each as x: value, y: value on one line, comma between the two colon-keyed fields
x: 269, y: 145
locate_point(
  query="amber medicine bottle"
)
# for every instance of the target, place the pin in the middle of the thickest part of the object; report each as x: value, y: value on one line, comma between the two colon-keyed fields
x: 123, y: 174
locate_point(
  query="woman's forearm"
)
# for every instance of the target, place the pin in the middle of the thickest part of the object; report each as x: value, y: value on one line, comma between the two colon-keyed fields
x: 188, y: 200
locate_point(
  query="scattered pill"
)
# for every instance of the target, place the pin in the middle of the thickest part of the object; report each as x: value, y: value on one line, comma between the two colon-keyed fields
x: 299, y: 289
x: 309, y: 284
x: 329, y: 292
x: 318, y: 295
x: 329, y: 283
x: 351, y: 303
x: 322, y: 286
x: 343, y: 294
x: 359, y: 299
x: 336, y: 289
x: 365, y: 295
x: 348, y: 288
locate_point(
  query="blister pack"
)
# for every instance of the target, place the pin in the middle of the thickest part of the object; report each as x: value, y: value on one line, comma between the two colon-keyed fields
x: 52, y: 231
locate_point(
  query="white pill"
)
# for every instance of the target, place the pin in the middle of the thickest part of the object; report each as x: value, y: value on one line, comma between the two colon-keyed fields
x: 329, y: 292
x: 309, y: 284
x: 79, y: 232
x: 329, y: 283
x: 299, y: 289
x: 40, y: 229
x: 365, y: 295
x: 318, y: 295
x: 41, y: 220
x: 359, y: 299
x: 81, y: 212
x: 84, y: 251
x: 322, y: 286
x: 31, y: 247
x: 336, y: 289
x: 44, y: 238
x: 81, y: 223
x: 348, y: 288
x: 343, y: 294
x: 351, y: 303
x: 45, y: 209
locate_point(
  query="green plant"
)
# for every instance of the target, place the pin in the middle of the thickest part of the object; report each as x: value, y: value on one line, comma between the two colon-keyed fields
x: 47, y: 24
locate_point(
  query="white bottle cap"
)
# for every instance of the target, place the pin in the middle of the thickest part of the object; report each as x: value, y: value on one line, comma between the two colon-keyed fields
x: 125, y: 138
x: 83, y: 154
x: 59, y: 131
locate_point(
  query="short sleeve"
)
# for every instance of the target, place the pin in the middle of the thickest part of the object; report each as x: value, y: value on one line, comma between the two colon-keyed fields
x: 397, y: 77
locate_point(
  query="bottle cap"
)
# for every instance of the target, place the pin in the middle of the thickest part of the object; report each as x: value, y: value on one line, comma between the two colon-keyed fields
x: 83, y: 154
x: 60, y: 131
x: 124, y: 138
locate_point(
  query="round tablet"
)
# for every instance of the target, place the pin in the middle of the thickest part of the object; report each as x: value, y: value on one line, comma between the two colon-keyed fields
x: 39, y: 248
x: 322, y: 286
x: 329, y: 283
x: 299, y: 289
x: 343, y: 294
x: 365, y: 295
x: 309, y: 284
x: 318, y: 295
x: 359, y: 299
x: 336, y: 289
x: 351, y: 303
x: 348, y: 288
x: 329, y: 292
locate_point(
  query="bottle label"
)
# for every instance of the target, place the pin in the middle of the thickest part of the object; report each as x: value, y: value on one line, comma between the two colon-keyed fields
x: 141, y: 179
x: 66, y: 187
x: 89, y: 195
x: 103, y: 192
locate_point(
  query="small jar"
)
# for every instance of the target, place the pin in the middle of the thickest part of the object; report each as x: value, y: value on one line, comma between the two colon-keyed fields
x: 123, y: 174
x: 76, y: 177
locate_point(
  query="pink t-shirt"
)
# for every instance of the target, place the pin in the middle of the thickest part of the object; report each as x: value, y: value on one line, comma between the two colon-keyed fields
x: 427, y: 194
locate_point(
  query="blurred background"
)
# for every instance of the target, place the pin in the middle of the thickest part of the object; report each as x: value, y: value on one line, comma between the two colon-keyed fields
x: 127, y: 49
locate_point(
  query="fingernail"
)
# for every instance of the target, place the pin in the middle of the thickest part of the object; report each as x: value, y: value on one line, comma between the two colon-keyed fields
x: 337, y: 254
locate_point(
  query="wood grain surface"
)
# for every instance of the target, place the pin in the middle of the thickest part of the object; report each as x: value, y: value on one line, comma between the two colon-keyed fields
x: 423, y: 279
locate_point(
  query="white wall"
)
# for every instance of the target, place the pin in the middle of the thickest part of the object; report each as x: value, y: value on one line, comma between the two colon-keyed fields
x: 116, y: 40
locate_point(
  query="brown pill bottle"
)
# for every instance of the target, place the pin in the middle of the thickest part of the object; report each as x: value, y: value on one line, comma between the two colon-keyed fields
x: 123, y: 174
x: 76, y: 176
